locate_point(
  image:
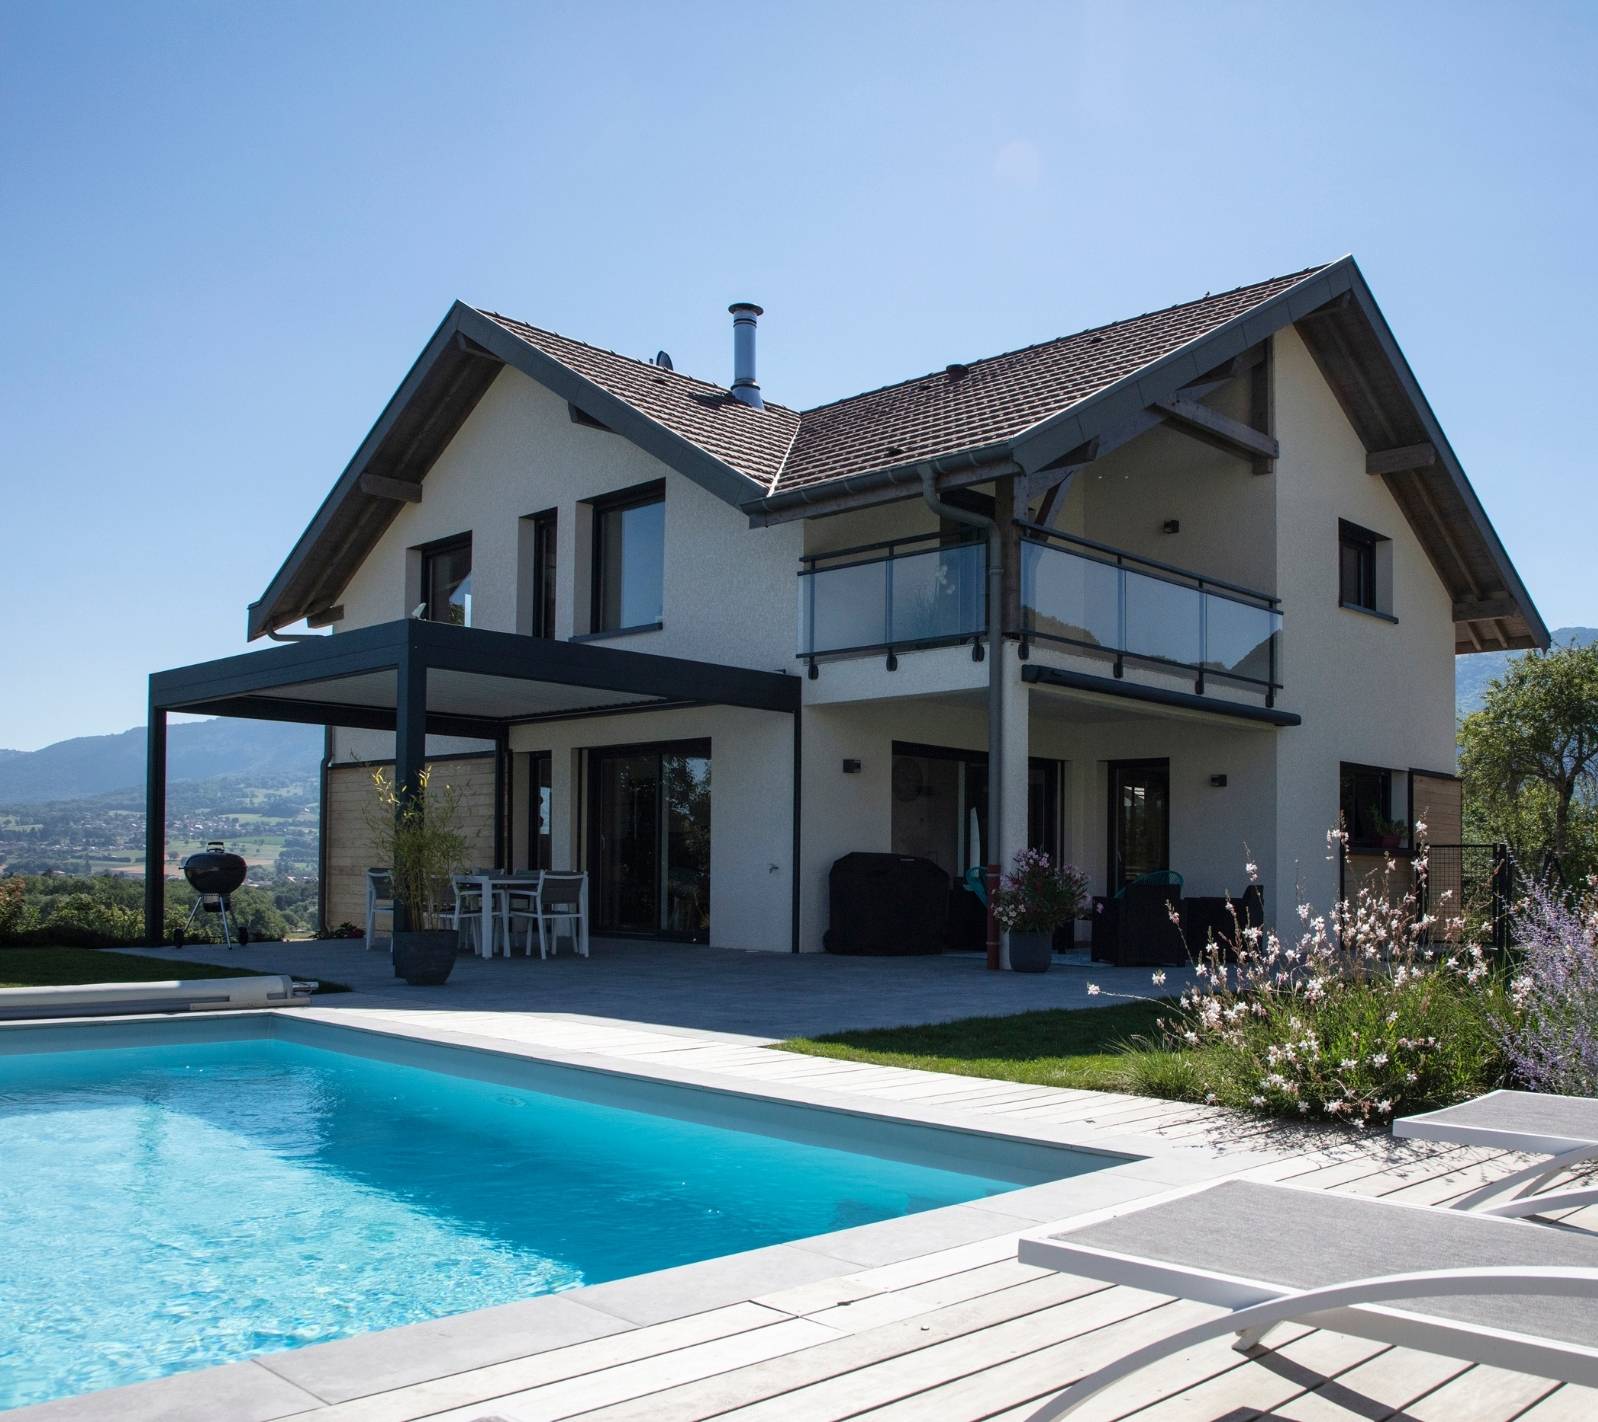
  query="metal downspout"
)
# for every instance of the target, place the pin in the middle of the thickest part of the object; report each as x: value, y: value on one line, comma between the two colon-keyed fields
x: 929, y: 495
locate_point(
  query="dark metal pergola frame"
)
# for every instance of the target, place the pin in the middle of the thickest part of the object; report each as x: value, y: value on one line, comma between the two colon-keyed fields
x: 254, y: 684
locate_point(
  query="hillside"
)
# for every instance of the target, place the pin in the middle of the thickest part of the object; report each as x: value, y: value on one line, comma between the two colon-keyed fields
x: 246, y: 751
x: 1472, y: 674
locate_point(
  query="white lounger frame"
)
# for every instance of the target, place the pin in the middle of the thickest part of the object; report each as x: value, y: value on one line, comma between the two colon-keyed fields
x: 1563, y: 1152
x: 1361, y: 1307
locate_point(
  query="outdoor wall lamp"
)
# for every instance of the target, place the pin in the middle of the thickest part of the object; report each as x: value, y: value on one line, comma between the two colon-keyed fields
x: 1218, y: 782
x: 851, y: 767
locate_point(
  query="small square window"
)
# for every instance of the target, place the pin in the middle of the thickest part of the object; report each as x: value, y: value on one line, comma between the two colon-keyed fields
x: 1359, y: 567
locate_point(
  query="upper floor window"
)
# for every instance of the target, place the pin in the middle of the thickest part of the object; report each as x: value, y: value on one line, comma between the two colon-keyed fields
x: 447, y: 581
x: 1362, y: 568
x: 629, y: 559
x: 544, y: 576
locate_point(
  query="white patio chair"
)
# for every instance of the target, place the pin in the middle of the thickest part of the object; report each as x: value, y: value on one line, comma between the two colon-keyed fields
x: 466, y: 913
x: 379, y: 900
x: 562, y: 898
x: 515, y: 903
x: 1561, y: 1129
x: 1463, y: 1285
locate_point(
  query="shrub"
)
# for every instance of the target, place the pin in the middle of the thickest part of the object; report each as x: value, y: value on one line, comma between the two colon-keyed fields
x: 1372, y: 1009
x: 1551, y: 1036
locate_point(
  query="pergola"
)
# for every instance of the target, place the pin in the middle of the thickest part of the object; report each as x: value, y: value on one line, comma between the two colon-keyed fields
x: 419, y: 678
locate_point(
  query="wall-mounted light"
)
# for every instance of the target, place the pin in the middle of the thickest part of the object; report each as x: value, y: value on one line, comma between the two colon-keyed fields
x: 1218, y: 781
x: 1171, y: 525
x: 851, y: 767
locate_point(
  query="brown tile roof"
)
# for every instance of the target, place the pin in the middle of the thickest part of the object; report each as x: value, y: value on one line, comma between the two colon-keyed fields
x: 753, y: 442
x: 1003, y: 395
x: 932, y: 415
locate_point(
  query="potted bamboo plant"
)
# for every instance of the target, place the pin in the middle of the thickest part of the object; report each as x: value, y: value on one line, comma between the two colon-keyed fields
x: 1034, y: 898
x: 419, y: 835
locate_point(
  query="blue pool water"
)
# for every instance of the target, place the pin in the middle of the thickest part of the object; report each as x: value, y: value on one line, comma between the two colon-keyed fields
x: 169, y: 1207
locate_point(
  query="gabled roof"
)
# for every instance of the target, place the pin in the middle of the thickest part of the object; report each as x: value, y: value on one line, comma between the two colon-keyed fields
x: 1020, y: 412
x: 998, y: 398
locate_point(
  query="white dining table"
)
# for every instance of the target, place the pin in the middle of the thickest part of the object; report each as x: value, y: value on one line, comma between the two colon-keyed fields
x: 489, y: 887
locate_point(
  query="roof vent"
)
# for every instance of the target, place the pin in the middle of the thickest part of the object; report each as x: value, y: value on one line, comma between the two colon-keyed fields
x: 956, y: 371
x: 744, y: 385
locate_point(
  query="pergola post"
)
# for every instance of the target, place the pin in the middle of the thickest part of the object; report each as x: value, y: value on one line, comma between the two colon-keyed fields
x: 155, y: 825
x: 410, y: 743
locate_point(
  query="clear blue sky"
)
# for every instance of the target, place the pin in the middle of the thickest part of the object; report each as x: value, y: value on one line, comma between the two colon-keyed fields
x: 226, y: 231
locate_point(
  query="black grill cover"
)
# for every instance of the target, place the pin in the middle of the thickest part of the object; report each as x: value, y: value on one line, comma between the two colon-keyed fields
x: 889, y: 904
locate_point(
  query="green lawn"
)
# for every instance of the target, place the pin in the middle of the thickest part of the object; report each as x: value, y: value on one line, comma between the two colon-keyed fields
x: 1088, y: 1047
x: 55, y: 967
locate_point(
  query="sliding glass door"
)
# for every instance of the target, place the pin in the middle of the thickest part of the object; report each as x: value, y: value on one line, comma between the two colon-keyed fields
x: 649, y: 840
x: 1140, y: 819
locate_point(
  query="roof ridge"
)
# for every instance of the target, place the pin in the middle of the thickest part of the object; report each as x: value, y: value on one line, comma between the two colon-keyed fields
x: 648, y: 365
x: 1071, y: 336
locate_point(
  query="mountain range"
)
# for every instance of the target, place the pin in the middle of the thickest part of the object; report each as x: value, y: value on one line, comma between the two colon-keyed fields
x: 240, y: 750
x: 196, y: 750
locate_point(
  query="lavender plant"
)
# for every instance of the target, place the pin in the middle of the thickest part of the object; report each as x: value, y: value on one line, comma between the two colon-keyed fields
x: 1551, y: 1034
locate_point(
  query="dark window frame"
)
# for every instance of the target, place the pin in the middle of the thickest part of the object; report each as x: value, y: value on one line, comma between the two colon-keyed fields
x: 1349, y: 773
x: 1113, y: 820
x: 546, y: 567
x: 639, y: 496
x: 540, y: 772
x: 1362, y: 542
x: 430, y: 552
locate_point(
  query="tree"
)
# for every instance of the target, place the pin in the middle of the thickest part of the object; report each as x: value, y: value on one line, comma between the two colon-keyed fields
x: 1529, y: 759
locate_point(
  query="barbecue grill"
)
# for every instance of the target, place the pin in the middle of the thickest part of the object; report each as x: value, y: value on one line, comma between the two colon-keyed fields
x: 214, y: 874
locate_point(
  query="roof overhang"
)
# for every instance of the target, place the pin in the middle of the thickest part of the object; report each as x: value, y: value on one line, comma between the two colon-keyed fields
x: 478, y: 683
x: 461, y: 360
x: 1350, y: 340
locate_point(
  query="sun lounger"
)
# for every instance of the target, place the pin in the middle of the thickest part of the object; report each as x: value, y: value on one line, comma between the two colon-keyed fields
x: 1498, y: 1291
x: 1564, y: 1129
x: 197, y: 995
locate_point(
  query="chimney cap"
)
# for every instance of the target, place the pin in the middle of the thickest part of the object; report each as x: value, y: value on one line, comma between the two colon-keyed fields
x: 738, y: 306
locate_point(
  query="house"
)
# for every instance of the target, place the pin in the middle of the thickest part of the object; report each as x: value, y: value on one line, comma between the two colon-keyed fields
x: 1174, y: 592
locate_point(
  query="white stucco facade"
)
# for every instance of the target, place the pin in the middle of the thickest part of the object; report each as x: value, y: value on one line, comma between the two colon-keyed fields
x: 1377, y: 691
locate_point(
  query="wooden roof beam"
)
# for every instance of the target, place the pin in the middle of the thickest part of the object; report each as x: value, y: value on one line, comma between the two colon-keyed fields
x: 1407, y: 456
x: 1220, y: 430
x: 1484, y: 609
x: 400, y: 491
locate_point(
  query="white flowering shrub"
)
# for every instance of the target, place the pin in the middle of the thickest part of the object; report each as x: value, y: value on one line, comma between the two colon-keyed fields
x: 1375, y: 1008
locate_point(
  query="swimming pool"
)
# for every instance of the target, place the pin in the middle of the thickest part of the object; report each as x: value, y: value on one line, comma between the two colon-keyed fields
x: 194, y: 1193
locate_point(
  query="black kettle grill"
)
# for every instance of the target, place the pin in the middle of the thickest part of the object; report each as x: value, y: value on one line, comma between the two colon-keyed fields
x: 214, y: 874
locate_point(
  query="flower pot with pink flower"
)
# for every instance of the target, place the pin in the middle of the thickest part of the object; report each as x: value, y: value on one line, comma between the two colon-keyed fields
x: 1033, y: 899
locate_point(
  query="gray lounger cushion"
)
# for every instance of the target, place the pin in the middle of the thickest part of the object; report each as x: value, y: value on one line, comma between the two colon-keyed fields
x: 1224, y: 1241
x: 1511, y: 1120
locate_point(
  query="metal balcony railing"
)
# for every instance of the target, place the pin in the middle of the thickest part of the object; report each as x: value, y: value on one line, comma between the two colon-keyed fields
x: 1081, y: 593
x: 892, y: 596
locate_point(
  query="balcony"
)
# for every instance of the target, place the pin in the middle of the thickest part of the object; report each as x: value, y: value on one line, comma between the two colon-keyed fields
x: 922, y: 592
x: 1078, y: 593
x: 891, y: 597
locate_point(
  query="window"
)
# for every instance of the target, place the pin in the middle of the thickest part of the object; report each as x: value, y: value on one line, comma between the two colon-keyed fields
x: 544, y: 575
x: 1367, y: 802
x: 629, y: 560
x: 1359, y: 567
x: 447, y: 582
x: 541, y: 812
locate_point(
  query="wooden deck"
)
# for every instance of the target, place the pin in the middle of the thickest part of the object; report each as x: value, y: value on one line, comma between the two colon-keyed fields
x: 967, y: 1332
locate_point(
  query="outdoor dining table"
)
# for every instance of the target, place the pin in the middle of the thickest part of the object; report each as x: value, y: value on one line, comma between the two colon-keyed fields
x: 489, y: 887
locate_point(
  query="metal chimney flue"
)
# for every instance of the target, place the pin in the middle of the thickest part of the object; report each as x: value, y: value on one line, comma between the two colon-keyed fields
x: 744, y: 385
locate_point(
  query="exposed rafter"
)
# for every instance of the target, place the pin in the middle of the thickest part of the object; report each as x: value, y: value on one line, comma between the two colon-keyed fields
x: 1408, y: 456
x: 1484, y: 609
x: 1096, y: 448
x: 1213, y: 427
x: 380, y: 486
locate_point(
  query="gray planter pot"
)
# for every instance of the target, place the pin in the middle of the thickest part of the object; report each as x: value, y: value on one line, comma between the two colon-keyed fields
x: 424, y: 958
x: 1031, y: 952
